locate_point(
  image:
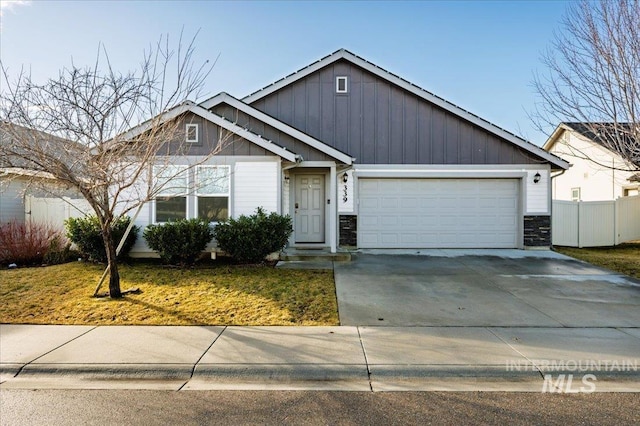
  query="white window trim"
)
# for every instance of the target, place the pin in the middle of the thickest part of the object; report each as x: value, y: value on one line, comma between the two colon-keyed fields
x: 184, y: 194
x: 579, y: 194
x: 346, y: 84
x: 197, y: 133
x: 208, y: 195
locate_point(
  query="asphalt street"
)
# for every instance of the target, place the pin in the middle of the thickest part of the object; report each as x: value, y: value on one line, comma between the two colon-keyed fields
x: 92, y: 407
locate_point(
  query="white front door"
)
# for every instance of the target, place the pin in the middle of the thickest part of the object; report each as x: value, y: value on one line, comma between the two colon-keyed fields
x: 309, y: 208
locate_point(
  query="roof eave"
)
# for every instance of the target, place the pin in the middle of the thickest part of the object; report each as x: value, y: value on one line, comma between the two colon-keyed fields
x: 273, y: 122
x: 412, y: 88
x: 216, y: 119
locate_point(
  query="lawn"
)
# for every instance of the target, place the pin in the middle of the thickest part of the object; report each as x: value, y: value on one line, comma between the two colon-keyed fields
x: 624, y: 258
x: 205, y: 295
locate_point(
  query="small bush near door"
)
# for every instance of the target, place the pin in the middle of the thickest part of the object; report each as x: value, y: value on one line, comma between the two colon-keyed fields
x: 249, y: 239
x: 180, y: 242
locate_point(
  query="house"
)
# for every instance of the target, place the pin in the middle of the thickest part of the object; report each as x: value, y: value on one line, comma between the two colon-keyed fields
x: 27, y: 195
x: 596, y: 173
x: 358, y: 156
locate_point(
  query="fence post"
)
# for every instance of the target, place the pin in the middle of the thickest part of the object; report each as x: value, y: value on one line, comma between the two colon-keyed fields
x: 579, y: 225
x: 616, y: 222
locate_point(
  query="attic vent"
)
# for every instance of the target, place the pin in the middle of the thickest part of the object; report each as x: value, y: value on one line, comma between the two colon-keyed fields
x: 341, y: 85
x: 192, y: 133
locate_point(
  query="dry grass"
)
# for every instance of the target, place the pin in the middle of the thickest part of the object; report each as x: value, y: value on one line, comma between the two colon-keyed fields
x: 624, y: 258
x: 209, y: 295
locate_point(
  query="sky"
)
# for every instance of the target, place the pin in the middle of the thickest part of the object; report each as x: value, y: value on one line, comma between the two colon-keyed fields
x: 479, y: 55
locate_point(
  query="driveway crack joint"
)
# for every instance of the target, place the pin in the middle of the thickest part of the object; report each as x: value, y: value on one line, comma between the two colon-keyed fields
x: 56, y: 348
x: 520, y: 353
x: 366, y: 361
x: 193, y: 369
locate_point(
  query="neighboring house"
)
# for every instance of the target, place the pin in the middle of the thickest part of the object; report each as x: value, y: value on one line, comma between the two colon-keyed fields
x: 357, y: 156
x: 26, y: 195
x: 595, y: 173
x: 12, y: 201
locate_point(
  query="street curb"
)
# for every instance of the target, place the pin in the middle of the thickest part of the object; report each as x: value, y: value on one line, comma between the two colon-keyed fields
x: 439, y: 371
x: 281, y: 372
x: 10, y: 368
x: 604, y: 375
x: 109, y: 371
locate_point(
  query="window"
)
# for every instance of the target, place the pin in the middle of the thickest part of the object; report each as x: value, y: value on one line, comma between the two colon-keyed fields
x: 171, y: 208
x: 341, y: 85
x: 192, y: 133
x: 171, y: 202
x: 213, y: 192
x: 575, y: 194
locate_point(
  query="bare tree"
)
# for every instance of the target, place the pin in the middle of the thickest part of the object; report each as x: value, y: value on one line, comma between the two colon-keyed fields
x: 90, y: 111
x: 593, y: 77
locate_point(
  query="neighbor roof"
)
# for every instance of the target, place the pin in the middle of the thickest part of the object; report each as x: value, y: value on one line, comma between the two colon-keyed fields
x: 343, y: 54
x: 17, y: 156
x: 598, y: 132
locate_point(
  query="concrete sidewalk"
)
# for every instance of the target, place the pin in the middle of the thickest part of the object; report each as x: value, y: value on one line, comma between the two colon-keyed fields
x: 322, y: 358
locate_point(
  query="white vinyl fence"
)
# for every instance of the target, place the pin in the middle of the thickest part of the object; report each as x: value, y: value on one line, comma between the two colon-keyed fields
x: 595, y: 223
x: 54, y: 211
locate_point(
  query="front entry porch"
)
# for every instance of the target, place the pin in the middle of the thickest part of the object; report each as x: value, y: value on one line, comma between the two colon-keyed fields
x: 311, y: 203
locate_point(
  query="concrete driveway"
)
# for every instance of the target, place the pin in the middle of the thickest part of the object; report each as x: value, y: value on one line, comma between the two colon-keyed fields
x: 508, y: 288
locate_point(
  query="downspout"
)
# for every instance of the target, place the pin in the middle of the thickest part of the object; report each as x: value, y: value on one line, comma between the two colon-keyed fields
x: 559, y: 174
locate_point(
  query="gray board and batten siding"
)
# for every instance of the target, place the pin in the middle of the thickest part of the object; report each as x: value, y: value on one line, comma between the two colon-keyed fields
x: 244, y: 120
x: 378, y: 122
x: 209, y: 137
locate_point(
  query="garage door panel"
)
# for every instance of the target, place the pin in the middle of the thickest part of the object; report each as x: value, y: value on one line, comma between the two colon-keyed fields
x: 408, y: 238
x: 427, y: 202
x: 442, y: 213
x: 369, y: 185
x: 369, y: 203
x: 386, y: 238
x: 389, y: 221
x: 389, y: 203
x: 369, y: 222
x: 368, y: 239
x: 410, y: 202
x: 409, y: 221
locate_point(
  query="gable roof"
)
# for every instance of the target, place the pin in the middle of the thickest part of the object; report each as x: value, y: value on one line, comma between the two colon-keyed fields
x: 189, y: 106
x: 33, y: 143
x: 291, y: 131
x: 343, y: 54
x: 602, y: 134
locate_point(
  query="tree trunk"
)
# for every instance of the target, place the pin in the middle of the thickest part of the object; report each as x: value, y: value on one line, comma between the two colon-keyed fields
x: 114, y: 275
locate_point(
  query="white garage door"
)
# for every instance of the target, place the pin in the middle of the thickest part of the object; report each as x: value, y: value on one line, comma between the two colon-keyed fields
x: 438, y: 213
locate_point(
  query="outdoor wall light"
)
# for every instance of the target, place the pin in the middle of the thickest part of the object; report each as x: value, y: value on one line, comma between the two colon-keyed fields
x: 536, y: 177
x: 345, y: 177
x: 286, y: 179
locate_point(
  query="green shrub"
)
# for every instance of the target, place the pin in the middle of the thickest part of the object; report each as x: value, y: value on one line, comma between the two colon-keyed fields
x: 59, y: 251
x: 85, y: 233
x: 252, y: 238
x: 180, y: 242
